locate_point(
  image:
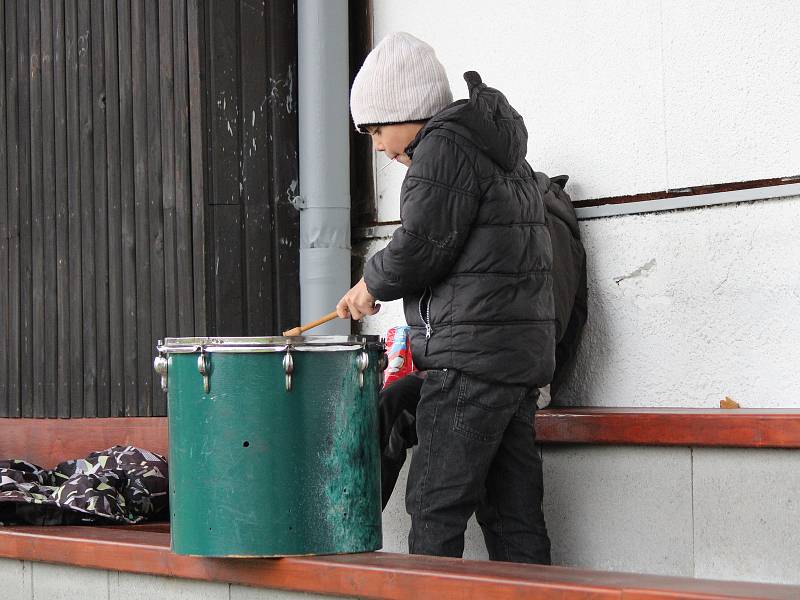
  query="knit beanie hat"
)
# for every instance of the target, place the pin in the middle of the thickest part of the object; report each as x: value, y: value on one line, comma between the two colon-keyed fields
x: 401, y: 80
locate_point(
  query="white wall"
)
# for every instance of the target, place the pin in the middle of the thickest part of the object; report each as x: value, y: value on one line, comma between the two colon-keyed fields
x: 638, y: 96
x: 627, y: 96
x: 686, y: 307
x: 715, y: 513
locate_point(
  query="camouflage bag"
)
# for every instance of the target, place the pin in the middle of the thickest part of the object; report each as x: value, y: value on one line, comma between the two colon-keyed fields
x: 123, y: 484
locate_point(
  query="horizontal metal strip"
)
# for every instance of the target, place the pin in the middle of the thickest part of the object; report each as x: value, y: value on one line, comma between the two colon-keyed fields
x: 676, y: 199
x: 684, y: 202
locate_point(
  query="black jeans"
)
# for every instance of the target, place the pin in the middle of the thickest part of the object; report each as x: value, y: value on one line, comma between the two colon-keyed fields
x: 476, y: 454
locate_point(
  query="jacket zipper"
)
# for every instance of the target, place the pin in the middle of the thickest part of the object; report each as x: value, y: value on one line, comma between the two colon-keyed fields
x: 426, y: 316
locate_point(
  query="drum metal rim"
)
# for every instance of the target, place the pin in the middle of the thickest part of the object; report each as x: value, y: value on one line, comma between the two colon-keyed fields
x: 320, y: 343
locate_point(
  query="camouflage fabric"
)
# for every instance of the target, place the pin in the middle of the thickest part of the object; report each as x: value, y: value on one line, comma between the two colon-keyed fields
x: 123, y: 484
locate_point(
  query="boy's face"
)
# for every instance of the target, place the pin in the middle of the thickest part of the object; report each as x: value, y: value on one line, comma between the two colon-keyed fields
x: 392, y: 140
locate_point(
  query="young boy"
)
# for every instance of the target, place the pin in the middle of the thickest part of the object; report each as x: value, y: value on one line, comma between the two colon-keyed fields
x: 472, y: 263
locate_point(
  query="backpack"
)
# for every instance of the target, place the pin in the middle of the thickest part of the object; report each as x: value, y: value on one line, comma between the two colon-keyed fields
x: 570, y: 291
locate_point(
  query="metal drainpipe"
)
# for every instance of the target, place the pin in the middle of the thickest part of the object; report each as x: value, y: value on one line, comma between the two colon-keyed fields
x: 324, y: 128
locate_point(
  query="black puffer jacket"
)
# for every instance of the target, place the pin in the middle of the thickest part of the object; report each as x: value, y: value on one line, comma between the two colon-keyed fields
x: 472, y: 258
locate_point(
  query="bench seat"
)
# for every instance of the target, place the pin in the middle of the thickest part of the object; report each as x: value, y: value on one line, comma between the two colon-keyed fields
x: 46, y: 442
x: 144, y: 549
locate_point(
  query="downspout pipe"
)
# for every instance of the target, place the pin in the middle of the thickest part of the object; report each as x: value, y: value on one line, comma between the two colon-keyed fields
x: 324, y: 159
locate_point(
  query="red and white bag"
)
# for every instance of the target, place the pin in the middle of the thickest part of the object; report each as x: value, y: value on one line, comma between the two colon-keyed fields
x: 398, y: 353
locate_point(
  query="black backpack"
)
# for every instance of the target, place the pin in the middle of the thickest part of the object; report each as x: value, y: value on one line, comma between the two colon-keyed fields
x: 570, y: 290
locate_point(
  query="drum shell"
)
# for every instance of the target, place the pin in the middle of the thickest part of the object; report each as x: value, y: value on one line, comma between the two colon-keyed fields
x: 256, y: 470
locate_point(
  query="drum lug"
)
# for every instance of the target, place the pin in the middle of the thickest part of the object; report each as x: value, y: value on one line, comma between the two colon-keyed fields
x: 288, y: 369
x: 383, y: 362
x: 362, y: 362
x: 161, y: 366
x: 204, y: 366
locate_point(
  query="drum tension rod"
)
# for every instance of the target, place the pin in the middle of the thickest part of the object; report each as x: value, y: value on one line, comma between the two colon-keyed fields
x: 288, y: 368
x: 204, y: 367
x: 161, y: 366
x: 362, y: 362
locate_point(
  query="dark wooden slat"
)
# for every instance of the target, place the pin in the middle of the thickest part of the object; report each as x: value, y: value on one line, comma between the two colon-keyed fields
x: 182, y: 171
x: 282, y: 37
x: 228, y: 302
x: 154, y: 194
x: 224, y: 102
x: 75, y: 372
x: 255, y: 96
x: 168, y: 165
x: 86, y: 119
x: 198, y: 161
x: 11, y: 141
x: 4, y: 229
x: 126, y: 159
x: 183, y: 199
x: 365, y: 575
x: 49, y: 214
x: 102, y: 339
x: 61, y: 198
x: 115, y: 308
x: 224, y: 106
x: 363, y: 208
x: 142, y: 336
x: 25, y: 233
x: 37, y: 209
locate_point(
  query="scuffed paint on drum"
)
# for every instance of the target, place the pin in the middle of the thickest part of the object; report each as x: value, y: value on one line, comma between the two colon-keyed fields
x: 281, y: 493
x: 353, y: 491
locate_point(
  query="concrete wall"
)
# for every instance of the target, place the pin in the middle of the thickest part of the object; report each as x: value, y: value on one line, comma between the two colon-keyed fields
x: 628, y: 96
x: 24, y: 580
x: 691, y: 512
x: 686, y: 307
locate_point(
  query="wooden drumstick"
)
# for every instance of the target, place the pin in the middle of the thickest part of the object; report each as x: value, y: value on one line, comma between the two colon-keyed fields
x: 299, y: 330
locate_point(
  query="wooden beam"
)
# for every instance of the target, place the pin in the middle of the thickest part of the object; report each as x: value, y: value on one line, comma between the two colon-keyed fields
x: 47, y: 442
x: 695, y: 190
x: 369, y: 575
x: 741, y: 428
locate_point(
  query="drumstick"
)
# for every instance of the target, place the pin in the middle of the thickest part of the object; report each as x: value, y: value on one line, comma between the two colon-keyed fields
x: 298, y: 330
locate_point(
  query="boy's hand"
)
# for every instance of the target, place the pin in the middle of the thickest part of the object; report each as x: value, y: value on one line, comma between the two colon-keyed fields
x: 357, y: 303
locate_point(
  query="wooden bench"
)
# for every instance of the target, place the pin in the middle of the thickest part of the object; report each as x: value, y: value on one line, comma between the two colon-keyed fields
x: 144, y: 549
x: 49, y: 441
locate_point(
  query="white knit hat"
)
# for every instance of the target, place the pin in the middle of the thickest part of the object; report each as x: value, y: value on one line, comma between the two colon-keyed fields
x: 401, y: 80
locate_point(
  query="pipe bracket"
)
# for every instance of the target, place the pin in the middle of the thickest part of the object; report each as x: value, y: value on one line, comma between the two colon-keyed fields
x: 299, y: 202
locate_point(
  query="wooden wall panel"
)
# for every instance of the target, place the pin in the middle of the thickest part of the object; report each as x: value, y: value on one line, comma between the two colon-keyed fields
x: 4, y: 230
x: 124, y: 126
x: 253, y: 230
x: 11, y: 201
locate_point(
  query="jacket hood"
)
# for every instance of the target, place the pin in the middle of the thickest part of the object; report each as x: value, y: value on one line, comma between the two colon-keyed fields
x: 559, y: 204
x: 487, y: 119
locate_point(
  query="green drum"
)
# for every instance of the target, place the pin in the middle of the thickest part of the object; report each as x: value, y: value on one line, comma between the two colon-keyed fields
x: 273, y: 444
